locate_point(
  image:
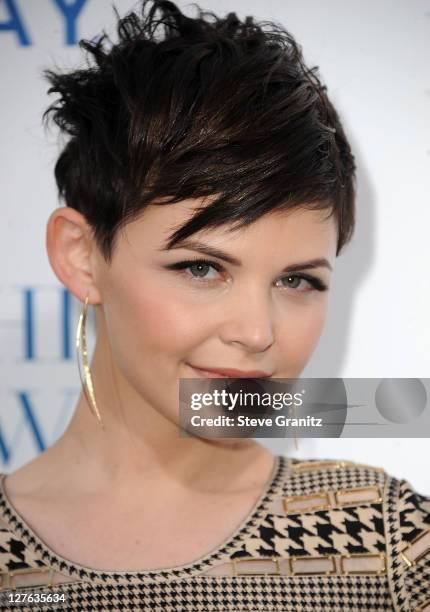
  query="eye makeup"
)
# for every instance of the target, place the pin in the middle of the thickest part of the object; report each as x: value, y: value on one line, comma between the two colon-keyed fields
x: 315, y: 282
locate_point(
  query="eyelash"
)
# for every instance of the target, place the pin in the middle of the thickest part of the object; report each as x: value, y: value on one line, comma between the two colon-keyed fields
x: 316, y: 283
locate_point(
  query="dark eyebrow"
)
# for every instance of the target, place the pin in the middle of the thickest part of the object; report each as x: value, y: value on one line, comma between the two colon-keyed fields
x: 195, y: 245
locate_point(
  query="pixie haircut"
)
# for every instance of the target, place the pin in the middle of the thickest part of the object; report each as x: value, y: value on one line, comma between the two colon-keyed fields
x: 209, y: 106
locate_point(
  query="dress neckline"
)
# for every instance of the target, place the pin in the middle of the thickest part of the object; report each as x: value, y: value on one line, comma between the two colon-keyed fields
x: 17, y: 524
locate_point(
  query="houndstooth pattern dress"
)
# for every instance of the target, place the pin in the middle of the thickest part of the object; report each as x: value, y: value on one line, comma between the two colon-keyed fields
x: 324, y: 535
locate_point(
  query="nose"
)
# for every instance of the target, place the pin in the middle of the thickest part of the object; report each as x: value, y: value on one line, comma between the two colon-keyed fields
x: 249, y: 321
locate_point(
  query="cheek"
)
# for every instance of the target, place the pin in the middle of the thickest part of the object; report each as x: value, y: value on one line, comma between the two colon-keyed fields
x: 300, y: 335
x: 149, y: 325
x: 165, y: 325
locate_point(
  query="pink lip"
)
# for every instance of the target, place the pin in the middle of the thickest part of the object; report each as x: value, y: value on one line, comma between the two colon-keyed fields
x: 229, y: 373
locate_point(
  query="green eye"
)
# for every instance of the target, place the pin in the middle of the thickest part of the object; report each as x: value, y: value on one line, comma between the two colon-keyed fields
x: 296, y: 280
x: 201, y: 268
x: 314, y: 283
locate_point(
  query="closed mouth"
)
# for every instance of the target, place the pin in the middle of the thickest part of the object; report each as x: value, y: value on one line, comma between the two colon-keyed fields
x: 228, y: 372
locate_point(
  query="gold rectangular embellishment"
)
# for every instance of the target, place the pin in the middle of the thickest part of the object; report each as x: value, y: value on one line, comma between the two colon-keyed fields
x: 333, y: 464
x: 319, y: 465
x: 363, y: 564
x: 306, y: 503
x: 29, y: 576
x: 419, y: 548
x: 259, y: 566
x: 301, y: 566
x: 358, y: 496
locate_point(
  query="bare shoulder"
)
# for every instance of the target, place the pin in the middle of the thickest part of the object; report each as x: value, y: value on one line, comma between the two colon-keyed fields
x: 33, y: 491
x: 33, y: 477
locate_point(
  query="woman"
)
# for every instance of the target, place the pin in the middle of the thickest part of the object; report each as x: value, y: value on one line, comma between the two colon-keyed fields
x: 209, y: 187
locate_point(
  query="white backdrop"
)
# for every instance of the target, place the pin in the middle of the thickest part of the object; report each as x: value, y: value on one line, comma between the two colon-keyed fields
x: 374, y: 59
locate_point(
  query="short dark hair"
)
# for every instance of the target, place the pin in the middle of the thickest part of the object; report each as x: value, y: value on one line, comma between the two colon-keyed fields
x: 214, y: 107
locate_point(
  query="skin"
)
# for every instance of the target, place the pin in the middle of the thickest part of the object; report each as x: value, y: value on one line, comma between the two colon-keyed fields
x: 150, y: 323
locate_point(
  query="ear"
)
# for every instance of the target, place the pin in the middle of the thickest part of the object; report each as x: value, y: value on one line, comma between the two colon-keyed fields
x: 72, y: 253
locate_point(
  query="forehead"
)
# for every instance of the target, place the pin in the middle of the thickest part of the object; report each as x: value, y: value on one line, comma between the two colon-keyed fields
x: 296, y: 230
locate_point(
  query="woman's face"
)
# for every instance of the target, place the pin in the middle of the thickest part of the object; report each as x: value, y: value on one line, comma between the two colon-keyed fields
x: 264, y: 312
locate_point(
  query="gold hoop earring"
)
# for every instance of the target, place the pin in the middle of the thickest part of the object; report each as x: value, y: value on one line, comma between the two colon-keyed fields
x: 81, y: 351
